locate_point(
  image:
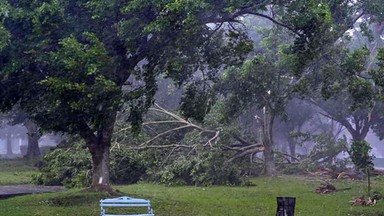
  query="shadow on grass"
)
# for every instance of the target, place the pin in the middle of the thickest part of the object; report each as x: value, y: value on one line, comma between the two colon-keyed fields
x: 68, y: 200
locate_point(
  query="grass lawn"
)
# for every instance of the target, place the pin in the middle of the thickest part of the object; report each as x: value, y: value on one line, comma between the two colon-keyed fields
x: 219, y: 200
x: 16, y: 171
x: 259, y: 199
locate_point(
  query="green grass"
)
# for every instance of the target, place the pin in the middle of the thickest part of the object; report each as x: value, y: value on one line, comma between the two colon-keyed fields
x: 16, y: 171
x: 219, y: 200
x: 191, y: 201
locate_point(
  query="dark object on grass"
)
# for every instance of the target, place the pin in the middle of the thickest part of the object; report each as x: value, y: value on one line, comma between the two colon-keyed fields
x: 361, y: 201
x: 286, y: 206
x: 326, y: 187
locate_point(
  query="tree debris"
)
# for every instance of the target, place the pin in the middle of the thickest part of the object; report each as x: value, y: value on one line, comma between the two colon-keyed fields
x: 347, y: 174
x: 326, y: 187
x: 361, y: 201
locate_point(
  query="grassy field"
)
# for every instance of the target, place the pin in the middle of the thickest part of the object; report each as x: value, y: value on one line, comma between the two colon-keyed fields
x: 219, y: 200
x: 16, y: 171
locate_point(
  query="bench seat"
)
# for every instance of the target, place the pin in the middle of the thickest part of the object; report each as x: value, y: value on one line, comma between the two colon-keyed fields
x: 125, y: 202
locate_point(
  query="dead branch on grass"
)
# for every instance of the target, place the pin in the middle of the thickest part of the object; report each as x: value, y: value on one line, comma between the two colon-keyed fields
x: 361, y: 201
x: 325, y: 187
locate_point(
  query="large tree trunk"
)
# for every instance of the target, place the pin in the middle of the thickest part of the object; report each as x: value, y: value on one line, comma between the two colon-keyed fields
x: 99, y: 145
x: 357, y: 136
x: 269, y: 158
x: 33, y: 150
x: 100, y: 167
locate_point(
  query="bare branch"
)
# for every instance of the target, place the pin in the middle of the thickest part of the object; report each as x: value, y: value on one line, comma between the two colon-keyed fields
x: 276, y: 22
x: 213, y: 138
x: 235, y: 148
x: 180, y: 120
x: 166, y: 132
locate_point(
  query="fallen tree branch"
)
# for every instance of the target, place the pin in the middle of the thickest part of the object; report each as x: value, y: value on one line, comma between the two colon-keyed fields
x: 161, y: 146
x: 213, y: 138
x: 286, y: 155
x: 165, y: 132
x: 244, y: 148
x: 246, y: 152
x: 180, y: 120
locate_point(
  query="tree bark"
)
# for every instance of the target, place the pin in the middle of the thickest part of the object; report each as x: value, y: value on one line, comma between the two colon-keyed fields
x: 99, y: 146
x: 358, y: 136
x: 269, y: 158
x: 9, y: 144
x: 33, y: 150
x: 292, y: 146
x: 100, y: 167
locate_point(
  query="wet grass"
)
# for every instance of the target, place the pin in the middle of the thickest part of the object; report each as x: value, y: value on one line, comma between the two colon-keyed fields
x: 16, y: 171
x: 259, y: 199
x: 219, y: 200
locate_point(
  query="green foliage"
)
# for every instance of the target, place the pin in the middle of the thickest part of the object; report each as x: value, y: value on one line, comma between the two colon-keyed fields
x: 126, y: 166
x: 4, y: 37
x: 70, y: 165
x: 177, y: 173
x: 215, y: 170
x: 323, y: 153
x: 207, y: 169
x: 378, y: 75
x: 310, y: 19
x: 196, y: 102
x: 359, y: 153
x: 238, y: 84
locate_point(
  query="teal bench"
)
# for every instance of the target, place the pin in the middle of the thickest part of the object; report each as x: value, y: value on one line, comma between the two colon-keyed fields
x: 125, y: 202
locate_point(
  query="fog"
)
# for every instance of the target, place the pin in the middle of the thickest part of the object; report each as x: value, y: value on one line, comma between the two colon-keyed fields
x: 19, y: 140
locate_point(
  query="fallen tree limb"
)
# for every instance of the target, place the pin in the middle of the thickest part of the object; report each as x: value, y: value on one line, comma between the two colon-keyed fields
x: 286, y: 155
x: 246, y: 152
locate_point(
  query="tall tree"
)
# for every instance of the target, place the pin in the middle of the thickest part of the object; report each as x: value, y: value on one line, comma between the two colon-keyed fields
x: 260, y: 83
x: 348, y: 94
x: 70, y: 64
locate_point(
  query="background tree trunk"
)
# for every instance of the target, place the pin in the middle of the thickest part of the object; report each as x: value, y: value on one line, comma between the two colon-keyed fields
x: 33, y: 139
x: 9, y: 144
x: 269, y: 158
x: 292, y: 146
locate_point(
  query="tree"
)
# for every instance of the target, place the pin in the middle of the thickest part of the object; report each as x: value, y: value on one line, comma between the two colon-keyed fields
x: 294, y: 122
x: 260, y: 83
x: 360, y: 156
x: 348, y: 94
x: 70, y: 64
x: 16, y: 117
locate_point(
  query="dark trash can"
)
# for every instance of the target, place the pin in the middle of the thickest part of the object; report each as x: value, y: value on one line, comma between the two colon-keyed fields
x: 285, y: 206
